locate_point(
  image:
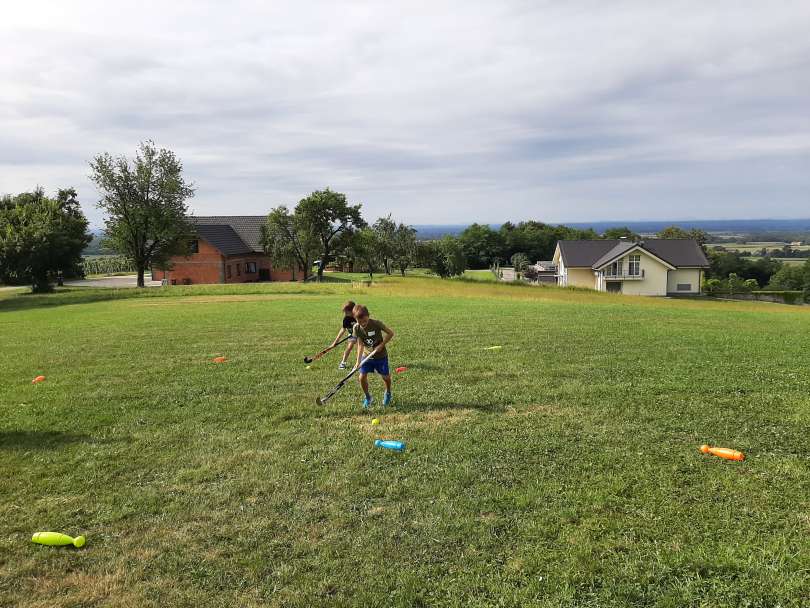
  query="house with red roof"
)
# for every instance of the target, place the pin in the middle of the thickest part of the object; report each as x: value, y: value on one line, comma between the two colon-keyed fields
x: 225, y: 249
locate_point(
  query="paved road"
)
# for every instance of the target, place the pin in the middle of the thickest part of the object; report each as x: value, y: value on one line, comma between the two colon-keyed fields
x: 112, y: 282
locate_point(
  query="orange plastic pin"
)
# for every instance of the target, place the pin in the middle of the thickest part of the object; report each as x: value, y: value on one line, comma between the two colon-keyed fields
x: 726, y: 453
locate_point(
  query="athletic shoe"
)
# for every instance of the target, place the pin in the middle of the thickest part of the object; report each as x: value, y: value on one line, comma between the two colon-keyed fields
x: 387, y: 398
x: 342, y: 365
x: 368, y: 401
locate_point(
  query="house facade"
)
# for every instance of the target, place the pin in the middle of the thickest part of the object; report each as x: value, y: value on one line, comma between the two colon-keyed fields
x: 225, y: 249
x: 652, y: 267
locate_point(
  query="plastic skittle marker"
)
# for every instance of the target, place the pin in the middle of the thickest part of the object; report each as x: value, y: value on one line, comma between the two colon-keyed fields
x: 726, y: 453
x: 388, y: 444
x: 38, y: 379
x: 56, y: 539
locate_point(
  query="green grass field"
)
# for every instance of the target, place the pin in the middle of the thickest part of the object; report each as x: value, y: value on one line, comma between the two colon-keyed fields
x: 562, y: 470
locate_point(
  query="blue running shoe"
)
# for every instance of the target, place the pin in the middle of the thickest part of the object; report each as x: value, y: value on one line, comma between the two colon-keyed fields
x: 387, y: 398
x: 368, y: 401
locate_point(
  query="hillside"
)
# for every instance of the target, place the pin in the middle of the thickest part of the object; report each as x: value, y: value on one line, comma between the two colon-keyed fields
x: 560, y: 470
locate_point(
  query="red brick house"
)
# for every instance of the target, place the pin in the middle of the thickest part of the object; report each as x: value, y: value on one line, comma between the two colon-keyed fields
x: 227, y: 249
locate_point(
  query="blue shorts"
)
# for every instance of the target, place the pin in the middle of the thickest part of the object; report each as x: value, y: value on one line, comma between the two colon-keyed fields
x: 375, y: 365
x: 352, y: 338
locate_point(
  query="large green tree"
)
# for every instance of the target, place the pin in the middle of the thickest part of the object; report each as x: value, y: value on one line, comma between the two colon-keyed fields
x: 40, y: 236
x: 404, y: 247
x: 445, y: 257
x: 145, y: 202
x: 538, y: 240
x: 327, y: 215
x: 386, y: 229
x: 365, y: 249
x: 289, y: 241
x: 791, y: 277
x: 482, y: 245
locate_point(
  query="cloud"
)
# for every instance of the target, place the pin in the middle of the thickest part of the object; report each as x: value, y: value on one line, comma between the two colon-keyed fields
x: 434, y: 112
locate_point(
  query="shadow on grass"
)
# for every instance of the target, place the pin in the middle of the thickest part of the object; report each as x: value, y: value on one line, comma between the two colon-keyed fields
x: 63, y: 297
x: 88, y: 295
x: 38, y: 440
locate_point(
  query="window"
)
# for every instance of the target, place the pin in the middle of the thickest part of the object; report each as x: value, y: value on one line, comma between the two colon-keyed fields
x: 194, y: 247
x: 250, y: 267
x: 634, y: 265
x: 239, y: 270
x: 228, y: 271
x: 684, y: 287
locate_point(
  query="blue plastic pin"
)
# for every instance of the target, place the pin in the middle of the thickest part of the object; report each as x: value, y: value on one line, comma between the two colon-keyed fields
x: 388, y: 444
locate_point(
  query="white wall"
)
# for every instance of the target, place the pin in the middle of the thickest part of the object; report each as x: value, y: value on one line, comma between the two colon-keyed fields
x: 581, y: 277
x: 654, y: 282
x: 684, y: 275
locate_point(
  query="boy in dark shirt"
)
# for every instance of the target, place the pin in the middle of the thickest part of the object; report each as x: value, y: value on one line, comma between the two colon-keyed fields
x: 348, y: 325
x: 372, y: 336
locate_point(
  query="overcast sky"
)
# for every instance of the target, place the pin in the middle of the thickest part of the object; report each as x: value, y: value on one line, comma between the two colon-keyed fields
x: 437, y: 112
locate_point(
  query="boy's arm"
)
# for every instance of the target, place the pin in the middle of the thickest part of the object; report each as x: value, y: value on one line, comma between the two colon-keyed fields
x: 389, y: 335
x: 360, y: 350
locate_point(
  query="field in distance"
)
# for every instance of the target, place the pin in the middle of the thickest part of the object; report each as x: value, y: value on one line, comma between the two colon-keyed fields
x: 562, y: 469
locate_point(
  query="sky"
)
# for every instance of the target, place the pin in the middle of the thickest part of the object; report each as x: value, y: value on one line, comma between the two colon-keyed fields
x: 435, y: 112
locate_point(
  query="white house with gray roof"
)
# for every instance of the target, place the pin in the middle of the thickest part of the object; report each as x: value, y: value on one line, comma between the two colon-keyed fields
x: 652, y: 267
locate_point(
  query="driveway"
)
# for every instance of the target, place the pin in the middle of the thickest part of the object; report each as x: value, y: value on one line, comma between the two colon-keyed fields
x: 112, y: 282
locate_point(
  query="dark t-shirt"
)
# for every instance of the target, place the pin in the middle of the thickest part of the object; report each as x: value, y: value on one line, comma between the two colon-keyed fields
x: 348, y: 324
x: 371, y: 337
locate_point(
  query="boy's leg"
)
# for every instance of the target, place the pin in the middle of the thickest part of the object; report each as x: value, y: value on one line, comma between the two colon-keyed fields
x: 364, y: 383
x: 367, y: 400
x: 347, y: 350
x: 387, y: 380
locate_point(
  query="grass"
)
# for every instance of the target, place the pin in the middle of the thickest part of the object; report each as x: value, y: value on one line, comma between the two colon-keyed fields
x: 757, y: 245
x: 560, y: 470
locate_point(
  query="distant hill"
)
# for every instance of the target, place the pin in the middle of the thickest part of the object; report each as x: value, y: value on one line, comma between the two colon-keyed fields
x: 718, y: 227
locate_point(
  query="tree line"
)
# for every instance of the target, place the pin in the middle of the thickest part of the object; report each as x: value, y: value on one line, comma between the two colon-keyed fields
x: 147, y: 223
x: 531, y: 241
x: 324, y: 229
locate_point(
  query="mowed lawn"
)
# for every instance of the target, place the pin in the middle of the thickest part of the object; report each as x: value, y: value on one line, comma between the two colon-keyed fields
x: 561, y: 470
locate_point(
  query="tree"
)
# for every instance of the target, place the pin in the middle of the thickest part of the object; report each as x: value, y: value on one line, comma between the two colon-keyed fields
x: 447, y: 258
x: 365, y: 247
x: 676, y: 232
x: 386, y: 228
x: 40, y: 236
x: 482, y: 245
x: 519, y: 262
x: 146, y: 205
x: 404, y: 247
x: 288, y: 241
x: 531, y: 273
x: 536, y: 239
x: 327, y: 215
x: 621, y: 232
x: 791, y: 277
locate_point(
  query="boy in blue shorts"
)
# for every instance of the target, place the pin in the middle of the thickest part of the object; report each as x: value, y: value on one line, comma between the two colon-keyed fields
x: 372, y: 337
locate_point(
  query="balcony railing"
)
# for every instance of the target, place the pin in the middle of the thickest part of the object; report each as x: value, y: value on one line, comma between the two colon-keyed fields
x: 623, y: 276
